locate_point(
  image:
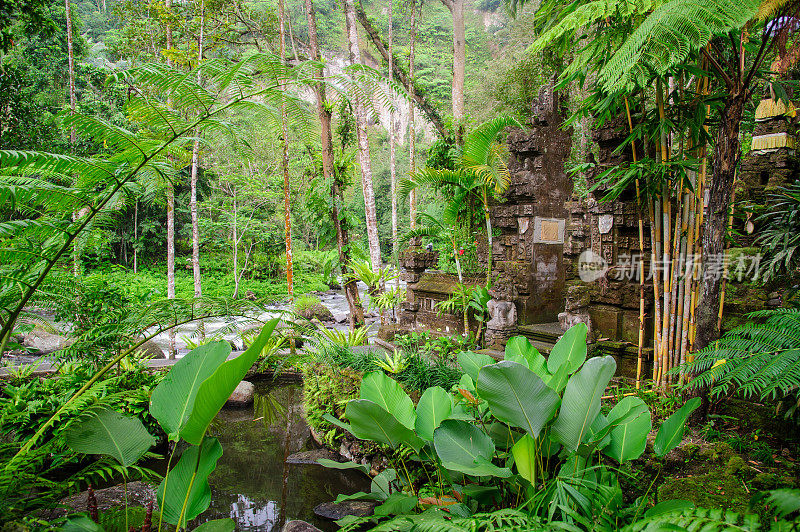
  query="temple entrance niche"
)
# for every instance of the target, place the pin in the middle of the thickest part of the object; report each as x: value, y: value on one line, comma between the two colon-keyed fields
x: 531, y: 217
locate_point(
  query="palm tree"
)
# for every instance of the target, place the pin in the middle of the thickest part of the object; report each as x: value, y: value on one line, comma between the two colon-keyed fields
x: 479, y: 175
x: 198, y: 287
x: 363, y: 142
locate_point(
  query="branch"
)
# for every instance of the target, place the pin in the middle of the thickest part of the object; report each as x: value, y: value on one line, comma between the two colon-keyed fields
x: 401, y: 76
x: 728, y: 81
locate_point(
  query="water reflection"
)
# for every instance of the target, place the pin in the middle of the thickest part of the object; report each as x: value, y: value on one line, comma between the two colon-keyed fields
x: 252, y: 484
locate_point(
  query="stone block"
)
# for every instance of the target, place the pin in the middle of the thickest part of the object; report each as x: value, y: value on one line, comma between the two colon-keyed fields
x: 606, y: 321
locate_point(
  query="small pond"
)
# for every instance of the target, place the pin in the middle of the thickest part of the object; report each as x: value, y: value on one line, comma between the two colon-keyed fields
x: 252, y: 483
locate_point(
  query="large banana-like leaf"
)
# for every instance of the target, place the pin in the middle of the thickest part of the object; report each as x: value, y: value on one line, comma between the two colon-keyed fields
x: 670, y: 433
x: 190, y: 475
x: 472, y: 363
x: 581, y: 402
x: 519, y: 349
x: 369, y: 421
x: 110, y: 433
x: 570, y: 349
x: 628, y: 439
x: 216, y: 389
x: 173, y: 399
x: 389, y: 395
x: 463, y: 447
x: 517, y: 396
x: 434, y: 406
x: 217, y: 525
x: 524, y: 452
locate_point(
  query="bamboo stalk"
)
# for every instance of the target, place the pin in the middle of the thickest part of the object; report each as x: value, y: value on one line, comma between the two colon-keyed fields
x: 641, y: 254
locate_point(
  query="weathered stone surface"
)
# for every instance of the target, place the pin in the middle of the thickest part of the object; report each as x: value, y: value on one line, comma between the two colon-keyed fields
x: 112, y: 497
x: 44, y: 342
x: 299, y: 526
x: 335, y: 511
x: 606, y: 321
x: 567, y: 319
x: 243, y: 394
x: 311, y: 457
x: 388, y: 331
x: 318, y: 311
x: 150, y: 349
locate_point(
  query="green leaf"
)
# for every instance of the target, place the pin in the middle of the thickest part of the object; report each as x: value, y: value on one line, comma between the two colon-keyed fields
x: 558, y: 380
x: 581, y: 402
x: 524, y: 452
x: 173, y: 399
x: 331, y: 464
x: 471, y: 363
x: 215, y: 390
x: 517, y: 396
x: 570, y: 349
x: 670, y: 433
x: 360, y: 496
x: 389, y: 395
x: 629, y: 439
x: 80, y: 523
x: 369, y: 421
x: 200, y: 458
x: 396, y: 504
x: 434, y: 406
x: 217, y: 525
x: 672, y: 505
x: 110, y: 433
x: 382, y: 483
x: 462, y: 447
x: 520, y: 350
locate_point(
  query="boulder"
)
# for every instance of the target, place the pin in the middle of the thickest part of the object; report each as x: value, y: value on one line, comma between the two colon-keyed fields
x: 44, y: 342
x: 317, y: 310
x: 150, y: 350
x: 337, y: 510
x: 311, y: 457
x: 299, y: 526
x: 243, y: 394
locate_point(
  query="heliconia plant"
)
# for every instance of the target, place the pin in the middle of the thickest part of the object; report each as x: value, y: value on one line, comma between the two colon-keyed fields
x: 513, y: 420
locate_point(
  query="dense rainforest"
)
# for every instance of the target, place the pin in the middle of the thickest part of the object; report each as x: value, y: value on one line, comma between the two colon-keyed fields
x: 298, y: 265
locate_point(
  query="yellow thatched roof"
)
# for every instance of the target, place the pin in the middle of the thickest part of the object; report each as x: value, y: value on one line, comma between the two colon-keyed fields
x: 772, y: 141
x: 770, y: 108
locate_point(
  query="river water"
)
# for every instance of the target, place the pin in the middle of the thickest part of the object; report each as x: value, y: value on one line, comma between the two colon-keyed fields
x: 252, y: 484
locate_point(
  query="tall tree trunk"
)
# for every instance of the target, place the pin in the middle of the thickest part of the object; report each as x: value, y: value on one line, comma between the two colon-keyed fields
x: 236, y: 276
x: 727, y: 149
x: 136, y: 238
x: 287, y: 196
x: 412, y: 131
x: 363, y: 143
x: 456, y: 8
x: 726, y: 158
x: 350, y: 286
x: 392, y: 155
x: 198, y: 288
x: 76, y: 266
x: 170, y: 210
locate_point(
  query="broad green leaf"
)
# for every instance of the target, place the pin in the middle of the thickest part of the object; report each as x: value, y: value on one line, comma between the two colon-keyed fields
x: 520, y: 350
x: 467, y: 383
x: 198, y: 461
x: 670, y: 506
x: 524, y: 452
x: 434, y: 406
x: 670, y: 433
x: 471, y: 363
x: 502, y: 435
x: 382, y: 483
x: 397, y: 503
x: 581, y: 402
x: 558, y: 380
x: 517, y: 396
x: 110, y: 433
x: 331, y: 464
x: 217, y: 525
x: 80, y: 523
x: 336, y: 421
x: 215, y: 390
x: 369, y: 421
x: 570, y: 348
x: 389, y: 395
x: 628, y: 439
x: 173, y: 399
x: 360, y: 496
x: 461, y: 446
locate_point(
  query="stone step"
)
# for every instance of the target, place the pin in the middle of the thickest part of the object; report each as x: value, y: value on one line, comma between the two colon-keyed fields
x: 542, y: 335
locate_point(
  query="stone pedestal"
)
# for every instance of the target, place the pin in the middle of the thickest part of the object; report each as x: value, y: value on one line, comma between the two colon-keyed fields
x: 503, y: 320
x: 415, y: 260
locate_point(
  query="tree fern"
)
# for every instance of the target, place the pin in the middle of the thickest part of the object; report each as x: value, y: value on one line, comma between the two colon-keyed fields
x: 716, y: 520
x: 780, y: 236
x: 669, y: 35
x: 759, y: 359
